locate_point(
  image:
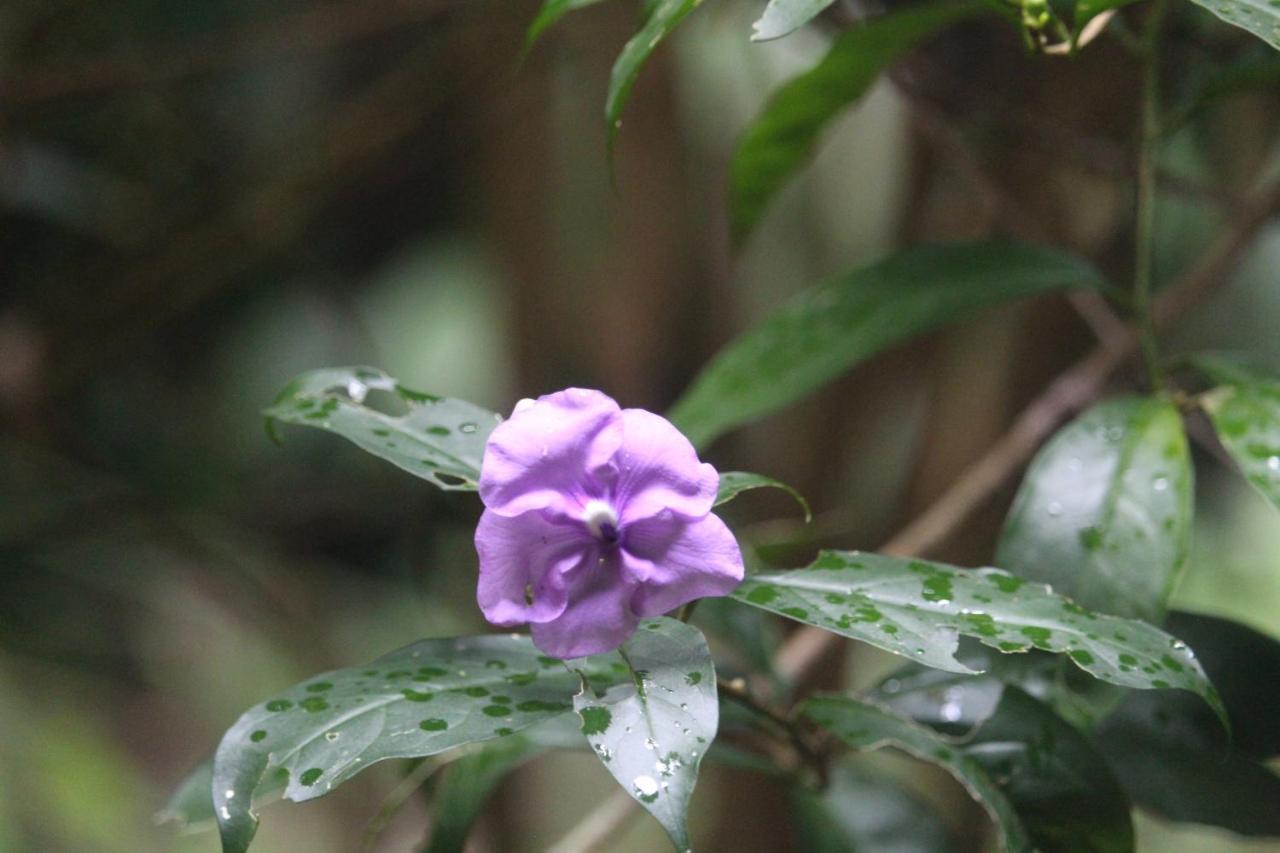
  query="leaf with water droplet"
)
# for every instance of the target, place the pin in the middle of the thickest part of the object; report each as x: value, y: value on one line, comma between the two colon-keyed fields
x: 652, y: 731
x: 864, y: 725
x: 734, y: 483
x: 441, y: 440
x: 1245, y: 410
x: 363, y: 719
x: 999, y: 610
x: 1090, y: 516
x: 828, y: 329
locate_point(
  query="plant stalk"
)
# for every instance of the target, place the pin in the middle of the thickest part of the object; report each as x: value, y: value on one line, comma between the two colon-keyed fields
x: 1144, y: 231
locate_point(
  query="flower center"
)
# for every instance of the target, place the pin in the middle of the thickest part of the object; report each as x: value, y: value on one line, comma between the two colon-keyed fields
x: 601, y: 520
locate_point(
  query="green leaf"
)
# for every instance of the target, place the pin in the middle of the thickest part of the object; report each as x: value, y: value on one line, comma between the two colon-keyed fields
x: 1173, y: 757
x: 859, y: 811
x: 418, y: 701
x: 734, y: 483
x: 468, y: 782
x: 1260, y: 17
x: 551, y: 12
x: 652, y: 732
x: 664, y: 18
x: 825, y: 331
x: 191, y: 805
x: 1104, y: 512
x: 438, y: 439
x: 1245, y: 411
x: 862, y: 725
x: 919, y: 609
x: 1258, y: 69
x: 1060, y: 785
x: 783, y: 136
x: 783, y: 17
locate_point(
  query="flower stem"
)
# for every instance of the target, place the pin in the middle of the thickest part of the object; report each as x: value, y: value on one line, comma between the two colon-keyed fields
x: 1144, y: 230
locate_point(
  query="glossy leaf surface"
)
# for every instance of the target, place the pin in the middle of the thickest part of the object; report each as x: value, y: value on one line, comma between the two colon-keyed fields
x: 920, y: 609
x: 436, y: 438
x: 783, y: 17
x: 421, y: 700
x: 859, y: 811
x: 1245, y: 411
x: 652, y: 731
x: 863, y: 725
x: 665, y: 16
x: 825, y: 331
x: 782, y: 138
x: 1260, y: 17
x: 1104, y: 512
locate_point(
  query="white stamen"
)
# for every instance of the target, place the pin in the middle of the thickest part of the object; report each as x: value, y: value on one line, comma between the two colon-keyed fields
x: 596, y: 514
x: 521, y: 405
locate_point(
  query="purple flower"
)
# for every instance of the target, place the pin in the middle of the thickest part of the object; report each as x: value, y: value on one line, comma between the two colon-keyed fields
x: 594, y: 517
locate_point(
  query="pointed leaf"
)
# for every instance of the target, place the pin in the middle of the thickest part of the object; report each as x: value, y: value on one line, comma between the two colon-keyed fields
x: 782, y: 138
x: 919, y: 609
x: 665, y: 17
x: 551, y: 12
x: 862, y: 725
x: 1260, y: 17
x: 1245, y: 411
x: 418, y: 701
x: 734, y: 483
x: 652, y: 732
x: 783, y: 17
x: 438, y: 439
x: 1104, y: 513
x: 824, y: 332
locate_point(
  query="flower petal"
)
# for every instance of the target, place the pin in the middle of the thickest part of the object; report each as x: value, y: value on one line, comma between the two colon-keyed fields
x: 677, y: 561
x: 599, y: 616
x: 527, y: 553
x: 546, y: 454
x: 656, y: 468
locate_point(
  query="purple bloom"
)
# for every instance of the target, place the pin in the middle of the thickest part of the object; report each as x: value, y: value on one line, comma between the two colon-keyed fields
x: 594, y: 517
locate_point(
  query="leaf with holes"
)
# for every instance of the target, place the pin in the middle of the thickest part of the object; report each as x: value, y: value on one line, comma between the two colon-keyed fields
x: 1104, y: 512
x: 824, y: 332
x: 418, y: 701
x: 782, y: 138
x: 436, y: 438
x: 652, y: 732
x: 1245, y: 410
x: 1260, y: 17
x: 920, y: 609
x: 661, y: 20
x: 734, y: 483
x: 862, y: 725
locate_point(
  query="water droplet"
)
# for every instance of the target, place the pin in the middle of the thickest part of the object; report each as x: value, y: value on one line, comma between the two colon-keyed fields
x: 231, y: 794
x: 951, y: 707
x: 1160, y: 484
x: 468, y: 428
x: 646, y: 788
x: 650, y: 743
x: 1273, y: 464
x: 357, y: 390
x: 331, y: 736
x: 1054, y: 509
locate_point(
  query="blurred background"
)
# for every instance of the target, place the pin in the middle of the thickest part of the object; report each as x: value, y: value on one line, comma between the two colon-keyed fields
x: 200, y: 200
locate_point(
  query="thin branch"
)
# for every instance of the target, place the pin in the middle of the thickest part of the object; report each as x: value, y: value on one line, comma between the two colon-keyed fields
x: 1070, y: 392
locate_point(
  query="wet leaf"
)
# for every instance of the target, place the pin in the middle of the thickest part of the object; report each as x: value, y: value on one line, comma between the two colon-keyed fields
x: 1260, y: 17
x: 1173, y: 757
x: 438, y: 439
x: 421, y: 700
x: 783, y: 17
x: 824, y: 332
x: 920, y: 609
x: 863, y: 725
x: 859, y: 811
x: 782, y: 138
x: 734, y: 483
x: 1245, y: 410
x: 551, y: 12
x: 652, y: 731
x: 468, y: 782
x: 664, y: 17
x: 1104, y: 512
x: 1061, y: 787
x: 191, y: 805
